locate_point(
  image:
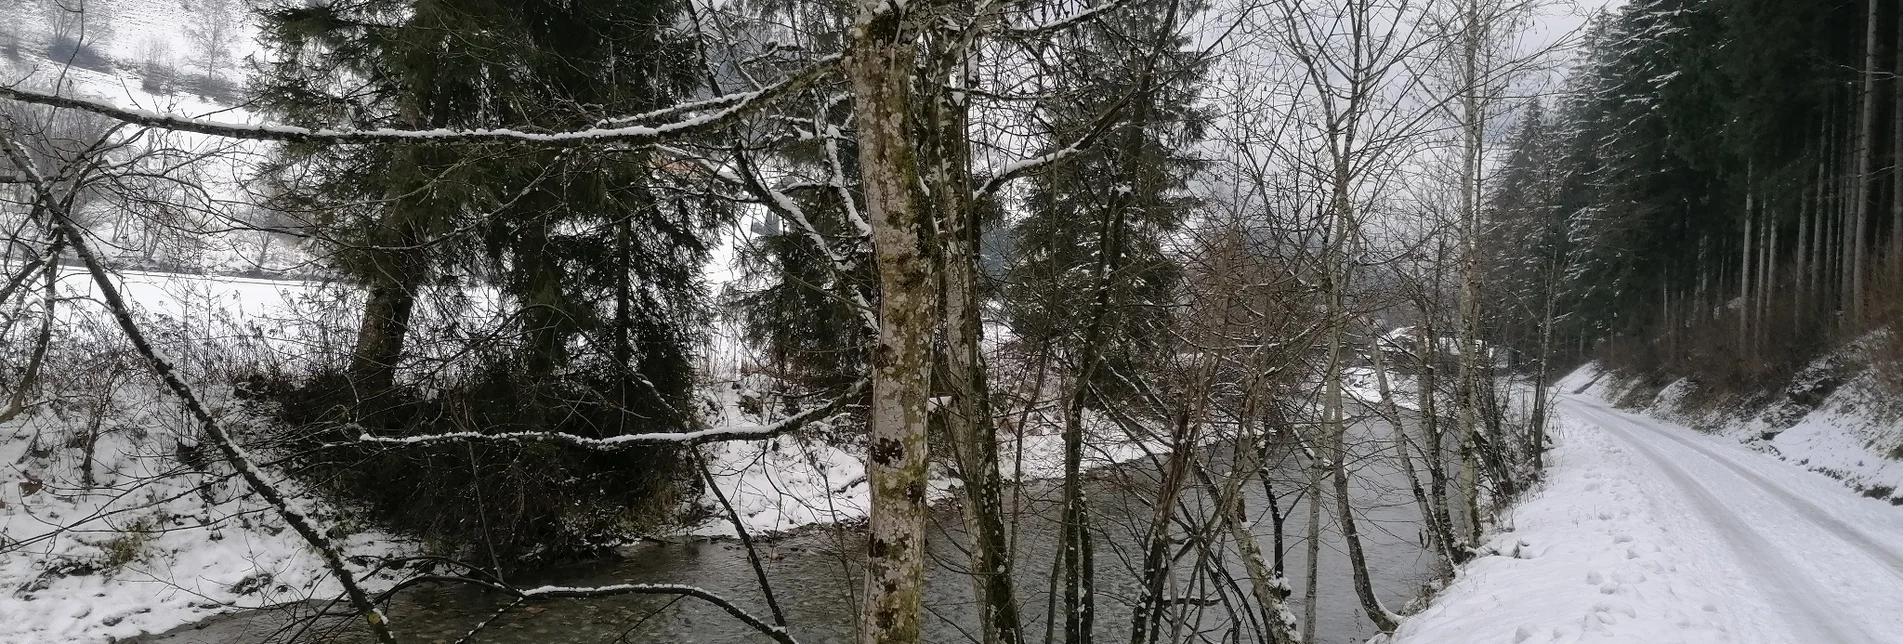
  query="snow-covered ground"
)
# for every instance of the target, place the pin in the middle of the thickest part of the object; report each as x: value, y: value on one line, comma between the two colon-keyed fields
x: 153, y: 543
x: 1648, y: 532
x: 1364, y: 385
x: 1837, y: 416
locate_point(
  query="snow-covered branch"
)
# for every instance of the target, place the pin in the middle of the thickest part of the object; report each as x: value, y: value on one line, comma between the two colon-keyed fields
x: 1065, y: 22
x: 840, y: 265
x: 735, y: 105
x: 1017, y: 169
x: 713, y: 435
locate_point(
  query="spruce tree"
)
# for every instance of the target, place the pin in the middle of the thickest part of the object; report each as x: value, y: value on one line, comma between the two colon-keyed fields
x: 593, y: 252
x: 1117, y: 200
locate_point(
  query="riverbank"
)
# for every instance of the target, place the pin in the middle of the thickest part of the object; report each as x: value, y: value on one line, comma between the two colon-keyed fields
x: 815, y: 571
x: 808, y: 479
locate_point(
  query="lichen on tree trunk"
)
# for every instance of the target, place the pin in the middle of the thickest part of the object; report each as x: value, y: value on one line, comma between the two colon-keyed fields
x: 879, y: 64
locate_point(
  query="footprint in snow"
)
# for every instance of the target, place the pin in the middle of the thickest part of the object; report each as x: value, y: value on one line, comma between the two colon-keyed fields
x: 1607, y: 608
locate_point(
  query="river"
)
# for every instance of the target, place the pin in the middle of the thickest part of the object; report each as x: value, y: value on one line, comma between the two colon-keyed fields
x: 814, y: 573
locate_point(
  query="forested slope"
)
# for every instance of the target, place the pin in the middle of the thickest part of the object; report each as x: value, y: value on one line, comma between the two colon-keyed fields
x: 1714, y: 204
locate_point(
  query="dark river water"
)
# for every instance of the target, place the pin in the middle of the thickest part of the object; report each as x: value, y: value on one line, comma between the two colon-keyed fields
x: 815, y: 573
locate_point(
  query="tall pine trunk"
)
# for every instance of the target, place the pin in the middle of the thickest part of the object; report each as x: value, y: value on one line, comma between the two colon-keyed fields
x: 1536, y: 427
x: 1801, y: 255
x: 1744, y: 280
x: 1866, y: 133
x: 393, y: 282
x: 1896, y: 164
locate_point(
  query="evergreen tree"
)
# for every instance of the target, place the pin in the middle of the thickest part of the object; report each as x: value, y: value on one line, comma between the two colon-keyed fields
x: 1707, y: 171
x: 1121, y: 197
x: 594, y: 252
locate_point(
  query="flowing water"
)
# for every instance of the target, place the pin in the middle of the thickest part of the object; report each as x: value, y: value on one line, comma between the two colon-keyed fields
x: 815, y: 574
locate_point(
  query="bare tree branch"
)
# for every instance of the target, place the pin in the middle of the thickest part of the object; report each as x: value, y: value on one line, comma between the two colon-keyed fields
x: 714, y: 435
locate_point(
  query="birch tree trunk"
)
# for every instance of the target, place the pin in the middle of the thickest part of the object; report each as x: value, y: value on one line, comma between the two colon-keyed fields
x: 972, y: 434
x: 1155, y: 569
x: 1265, y: 581
x: 1383, y: 619
x: 1311, y: 596
x: 1433, y: 453
x: 1437, y: 532
x: 1473, y: 141
x: 879, y: 63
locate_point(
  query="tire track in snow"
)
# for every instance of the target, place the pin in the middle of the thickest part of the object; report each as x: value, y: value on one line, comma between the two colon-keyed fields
x: 1830, y: 523
x: 1782, y: 577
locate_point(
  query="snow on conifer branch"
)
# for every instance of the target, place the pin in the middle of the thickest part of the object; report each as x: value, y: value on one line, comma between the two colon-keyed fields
x: 612, y: 130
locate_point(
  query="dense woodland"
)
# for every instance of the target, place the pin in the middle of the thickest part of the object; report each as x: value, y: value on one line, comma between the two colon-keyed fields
x: 1714, y: 192
x: 1237, y: 233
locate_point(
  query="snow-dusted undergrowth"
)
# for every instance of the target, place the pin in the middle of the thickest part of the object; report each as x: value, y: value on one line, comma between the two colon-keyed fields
x: 154, y: 542
x: 162, y: 534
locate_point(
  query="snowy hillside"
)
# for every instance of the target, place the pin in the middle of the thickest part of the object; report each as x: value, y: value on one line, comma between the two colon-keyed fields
x: 146, y: 52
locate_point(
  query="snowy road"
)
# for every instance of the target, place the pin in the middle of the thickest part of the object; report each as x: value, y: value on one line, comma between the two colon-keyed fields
x: 1820, y: 569
x: 1649, y: 532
